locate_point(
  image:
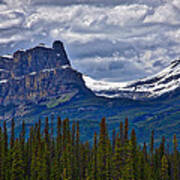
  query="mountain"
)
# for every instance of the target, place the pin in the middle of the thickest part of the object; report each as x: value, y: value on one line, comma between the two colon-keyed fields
x: 40, y: 82
x: 39, y: 75
x: 149, y: 88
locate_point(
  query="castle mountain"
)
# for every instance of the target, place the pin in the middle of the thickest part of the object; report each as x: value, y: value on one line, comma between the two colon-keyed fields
x: 39, y: 74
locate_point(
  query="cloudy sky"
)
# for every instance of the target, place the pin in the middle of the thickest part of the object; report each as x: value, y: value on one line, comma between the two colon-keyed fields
x: 119, y: 41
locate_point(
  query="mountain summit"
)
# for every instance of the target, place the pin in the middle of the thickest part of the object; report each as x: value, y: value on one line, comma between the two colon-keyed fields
x: 33, y: 60
x: 39, y: 74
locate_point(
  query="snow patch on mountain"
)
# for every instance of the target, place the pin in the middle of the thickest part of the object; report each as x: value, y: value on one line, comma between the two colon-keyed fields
x: 97, y: 85
x: 154, y: 86
x: 3, y: 81
x: 8, y: 56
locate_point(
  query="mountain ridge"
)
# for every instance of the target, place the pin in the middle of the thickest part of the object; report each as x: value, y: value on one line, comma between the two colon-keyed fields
x: 42, y: 59
x: 147, y: 88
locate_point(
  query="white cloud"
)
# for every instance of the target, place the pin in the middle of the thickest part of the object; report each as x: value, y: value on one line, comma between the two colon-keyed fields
x: 176, y: 3
x: 126, y: 15
x: 107, y: 42
x: 174, y: 35
x: 164, y: 14
x: 12, y: 38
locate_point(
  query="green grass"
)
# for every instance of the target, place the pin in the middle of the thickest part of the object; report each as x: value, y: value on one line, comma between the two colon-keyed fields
x: 55, y: 102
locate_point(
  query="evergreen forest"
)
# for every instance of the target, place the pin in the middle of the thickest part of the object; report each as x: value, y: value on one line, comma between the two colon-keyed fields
x: 48, y: 153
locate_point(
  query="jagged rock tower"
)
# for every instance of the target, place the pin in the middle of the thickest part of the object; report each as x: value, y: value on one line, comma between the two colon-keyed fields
x: 39, y: 74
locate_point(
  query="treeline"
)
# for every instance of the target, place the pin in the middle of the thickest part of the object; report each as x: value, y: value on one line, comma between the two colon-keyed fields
x: 43, y: 156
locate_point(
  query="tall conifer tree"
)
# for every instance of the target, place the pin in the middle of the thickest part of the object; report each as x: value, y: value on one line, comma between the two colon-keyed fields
x: 175, y: 159
x: 102, y: 150
x: 17, y: 164
x: 12, y: 133
x: 94, y: 160
x: 134, y: 155
x: 5, y: 152
x: 164, y: 168
x: 1, y: 155
x: 126, y: 128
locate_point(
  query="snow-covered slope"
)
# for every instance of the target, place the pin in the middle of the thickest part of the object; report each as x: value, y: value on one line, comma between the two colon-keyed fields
x: 154, y: 86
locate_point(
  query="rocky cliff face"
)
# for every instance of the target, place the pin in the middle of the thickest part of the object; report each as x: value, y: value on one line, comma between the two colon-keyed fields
x: 39, y: 74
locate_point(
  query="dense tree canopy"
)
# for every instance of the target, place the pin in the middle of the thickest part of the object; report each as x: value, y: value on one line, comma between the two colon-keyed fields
x: 46, y: 155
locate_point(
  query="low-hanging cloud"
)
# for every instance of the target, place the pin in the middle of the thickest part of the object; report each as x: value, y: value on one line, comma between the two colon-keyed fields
x: 116, y: 41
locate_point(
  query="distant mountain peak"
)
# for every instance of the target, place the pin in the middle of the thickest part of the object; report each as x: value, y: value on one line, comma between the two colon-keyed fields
x: 164, y: 82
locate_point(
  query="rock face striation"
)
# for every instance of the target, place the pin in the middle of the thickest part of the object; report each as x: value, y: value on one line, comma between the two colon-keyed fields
x: 39, y: 74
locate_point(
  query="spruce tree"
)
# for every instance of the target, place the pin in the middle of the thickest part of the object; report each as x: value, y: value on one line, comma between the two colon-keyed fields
x: 46, y: 165
x: 108, y: 159
x: 152, y: 144
x: 12, y: 134
x: 46, y: 155
x: 162, y: 148
x: 5, y: 139
x: 121, y: 132
x: 46, y: 132
x: 152, y: 155
x: 102, y: 150
x: 94, y: 159
x: 134, y: 155
x: 5, y: 152
x: 117, y: 159
x: 157, y: 164
x: 58, y: 153
x: 58, y: 139
x: 113, y: 140
x: 77, y: 151
x: 52, y: 128
x: 126, y: 128
x: 73, y: 161
x: 128, y: 162
x: 175, y: 159
x: 17, y: 164
x: 34, y: 157
x: 22, y: 136
x: 52, y: 140
x: 164, y: 168
x: 145, y: 152
x: 142, y: 164
x: 1, y: 155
